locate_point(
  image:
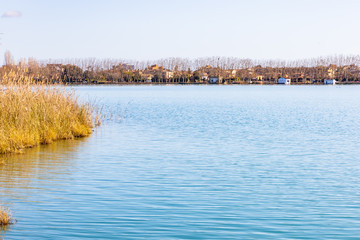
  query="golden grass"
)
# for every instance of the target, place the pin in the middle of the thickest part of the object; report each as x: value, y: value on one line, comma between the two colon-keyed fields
x: 5, y: 217
x: 33, y: 114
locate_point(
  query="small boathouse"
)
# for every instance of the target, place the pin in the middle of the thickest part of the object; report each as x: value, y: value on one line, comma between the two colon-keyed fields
x: 285, y: 81
x: 329, y: 81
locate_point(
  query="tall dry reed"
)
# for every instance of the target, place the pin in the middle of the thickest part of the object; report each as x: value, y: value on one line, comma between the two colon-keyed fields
x: 33, y: 113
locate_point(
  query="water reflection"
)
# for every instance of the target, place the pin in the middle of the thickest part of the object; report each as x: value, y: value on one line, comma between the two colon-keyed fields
x: 22, y: 173
x: 3, y: 230
x: 18, y: 170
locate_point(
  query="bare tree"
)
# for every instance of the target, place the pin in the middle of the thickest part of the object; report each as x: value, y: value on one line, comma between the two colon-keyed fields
x: 9, y: 59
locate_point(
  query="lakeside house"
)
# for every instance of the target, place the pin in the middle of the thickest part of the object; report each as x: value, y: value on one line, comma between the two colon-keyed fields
x: 146, y: 77
x: 215, y: 79
x: 167, y: 74
x: 329, y: 81
x: 155, y: 67
x: 204, y: 76
x: 156, y: 73
x: 285, y: 81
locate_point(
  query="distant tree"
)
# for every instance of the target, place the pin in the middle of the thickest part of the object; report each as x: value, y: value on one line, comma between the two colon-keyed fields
x: 157, y: 77
x: 89, y: 75
x: 33, y: 67
x: 9, y: 59
x: 72, y: 73
x: 196, y: 76
x: 137, y: 76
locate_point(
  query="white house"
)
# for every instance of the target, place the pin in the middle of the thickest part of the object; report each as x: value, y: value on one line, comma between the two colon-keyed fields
x: 285, y: 81
x: 148, y: 78
x: 204, y: 76
x: 329, y: 81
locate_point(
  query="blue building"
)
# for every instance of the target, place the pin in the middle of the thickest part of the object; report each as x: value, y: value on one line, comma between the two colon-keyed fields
x: 285, y: 81
x: 329, y: 81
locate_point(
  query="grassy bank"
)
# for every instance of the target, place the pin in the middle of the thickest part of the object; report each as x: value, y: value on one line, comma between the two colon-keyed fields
x: 33, y: 114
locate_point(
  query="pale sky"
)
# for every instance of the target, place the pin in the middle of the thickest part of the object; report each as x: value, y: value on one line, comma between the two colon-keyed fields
x: 152, y: 29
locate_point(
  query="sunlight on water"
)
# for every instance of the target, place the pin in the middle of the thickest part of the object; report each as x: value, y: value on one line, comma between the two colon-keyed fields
x: 197, y: 162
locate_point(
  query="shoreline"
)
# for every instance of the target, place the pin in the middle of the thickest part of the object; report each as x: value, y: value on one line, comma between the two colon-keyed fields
x: 210, y: 84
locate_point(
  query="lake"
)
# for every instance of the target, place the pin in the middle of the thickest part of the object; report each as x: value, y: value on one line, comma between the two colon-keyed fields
x: 196, y: 162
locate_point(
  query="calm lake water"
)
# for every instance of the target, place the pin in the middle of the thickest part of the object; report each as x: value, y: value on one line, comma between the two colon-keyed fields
x: 197, y: 162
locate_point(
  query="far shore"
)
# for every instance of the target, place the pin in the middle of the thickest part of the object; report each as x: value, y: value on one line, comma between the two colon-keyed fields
x: 210, y: 84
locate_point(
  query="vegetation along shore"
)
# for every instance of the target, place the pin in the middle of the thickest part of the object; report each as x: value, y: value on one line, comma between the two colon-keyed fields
x: 221, y: 70
x: 33, y: 113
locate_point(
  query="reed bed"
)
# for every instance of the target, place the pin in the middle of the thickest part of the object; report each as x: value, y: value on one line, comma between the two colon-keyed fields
x: 39, y: 113
x: 5, y: 217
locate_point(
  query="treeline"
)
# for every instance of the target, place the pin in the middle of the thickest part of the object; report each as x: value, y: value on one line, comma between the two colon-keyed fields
x: 184, y: 64
x: 344, y: 68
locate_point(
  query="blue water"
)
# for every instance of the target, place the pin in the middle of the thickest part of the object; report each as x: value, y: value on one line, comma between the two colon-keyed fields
x: 196, y: 162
